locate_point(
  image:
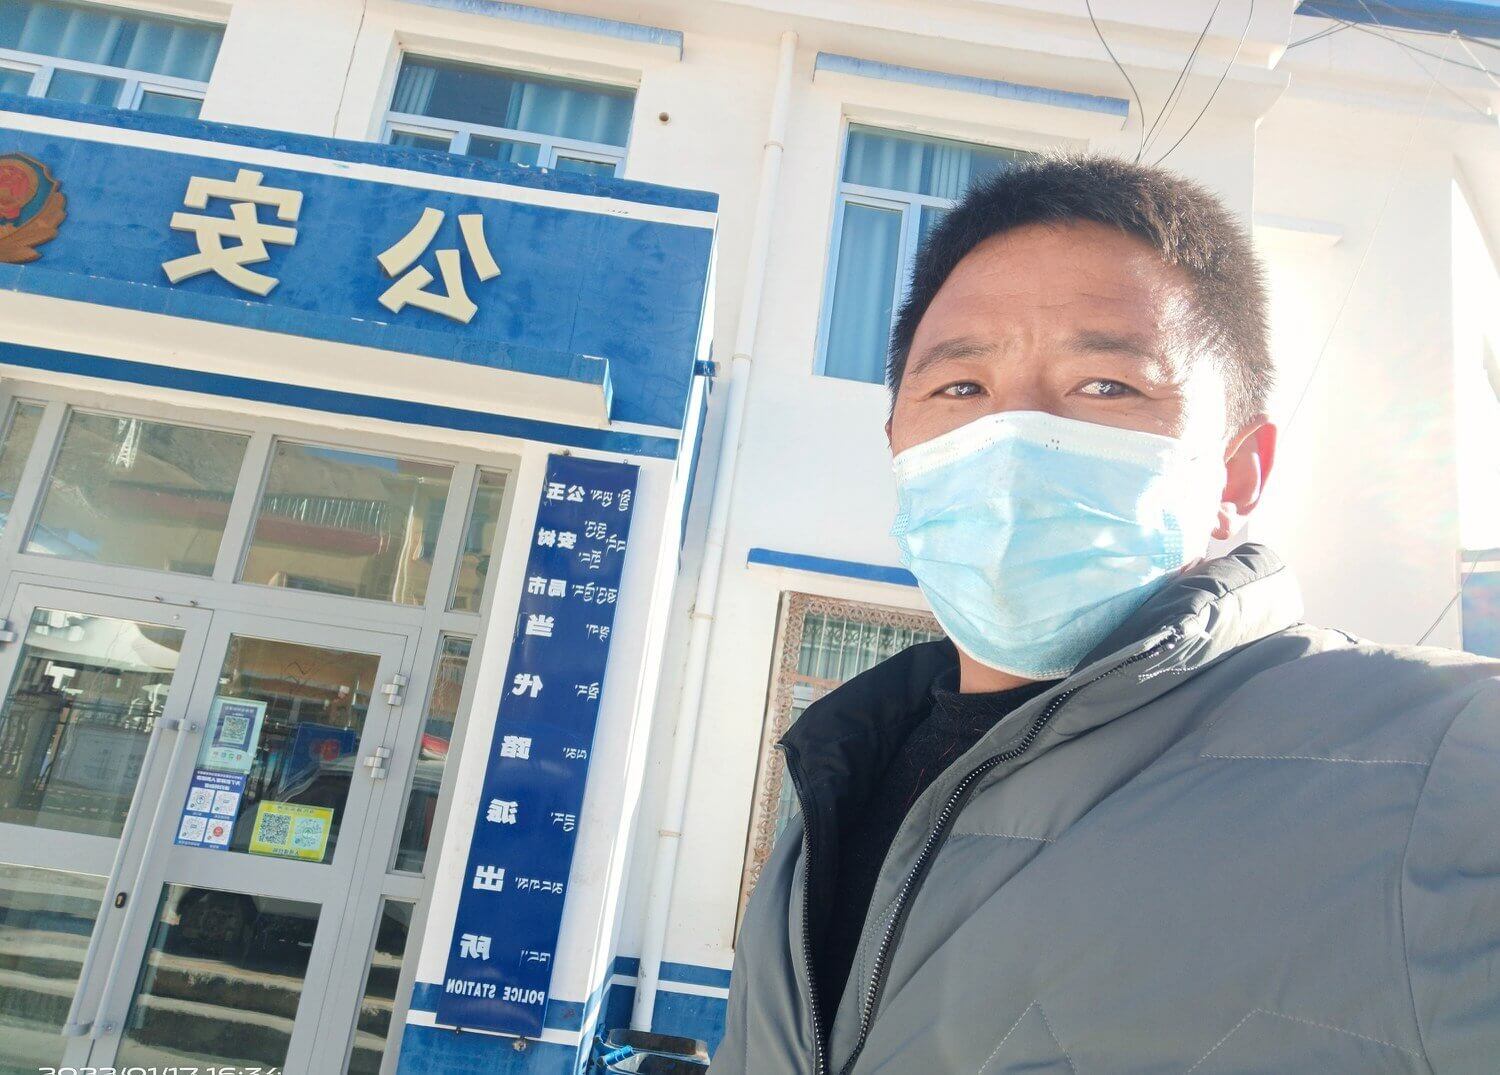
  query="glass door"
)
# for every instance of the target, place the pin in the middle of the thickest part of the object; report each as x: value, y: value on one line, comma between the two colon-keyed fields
x: 238, y: 903
x: 96, y: 696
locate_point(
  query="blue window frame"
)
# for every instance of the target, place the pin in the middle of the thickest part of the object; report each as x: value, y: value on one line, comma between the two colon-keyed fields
x: 510, y: 117
x: 106, y: 56
x: 893, y: 188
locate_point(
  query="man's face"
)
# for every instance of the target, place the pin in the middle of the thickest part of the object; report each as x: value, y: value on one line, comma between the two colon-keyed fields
x: 1081, y: 321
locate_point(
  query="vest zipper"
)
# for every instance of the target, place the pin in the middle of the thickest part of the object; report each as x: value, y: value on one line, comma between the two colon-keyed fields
x: 820, y: 1063
x: 956, y: 800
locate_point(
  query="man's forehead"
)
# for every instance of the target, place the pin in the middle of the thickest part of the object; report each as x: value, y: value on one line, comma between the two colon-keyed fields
x: 1084, y: 279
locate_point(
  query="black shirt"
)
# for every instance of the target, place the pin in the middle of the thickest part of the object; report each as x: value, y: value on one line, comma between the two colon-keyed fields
x: 954, y: 723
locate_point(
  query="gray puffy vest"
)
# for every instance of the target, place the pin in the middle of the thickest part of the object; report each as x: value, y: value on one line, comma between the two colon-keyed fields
x: 1228, y: 842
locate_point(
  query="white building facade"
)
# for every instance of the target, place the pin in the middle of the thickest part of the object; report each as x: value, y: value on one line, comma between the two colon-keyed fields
x: 443, y: 449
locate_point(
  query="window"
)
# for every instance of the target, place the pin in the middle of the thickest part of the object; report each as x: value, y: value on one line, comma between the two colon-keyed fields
x: 341, y: 522
x: 106, y: 56
x: 387, y: 954
x: 14, y: 448
x: 479, y: 536
x: 510, y: 117
x: 432, y: 752
x: 894, y: 188
x: 137, y: 493
x: 821, y: 643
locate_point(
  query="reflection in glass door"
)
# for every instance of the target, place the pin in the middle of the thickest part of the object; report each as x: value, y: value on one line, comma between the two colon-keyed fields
x: 90, y: 690
x: 78, y: 717
x: 286, y: 723
x: 240, y: 903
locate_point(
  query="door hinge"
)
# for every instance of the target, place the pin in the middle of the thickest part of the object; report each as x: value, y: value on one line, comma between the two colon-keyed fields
x: 394, y: 690
x: 6, y: 634
x: 376, y: 763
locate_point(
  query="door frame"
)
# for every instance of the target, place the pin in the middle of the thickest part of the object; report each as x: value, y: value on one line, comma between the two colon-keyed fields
x: 336, y: 887
x: 78, y: 853
x: 221, y: 592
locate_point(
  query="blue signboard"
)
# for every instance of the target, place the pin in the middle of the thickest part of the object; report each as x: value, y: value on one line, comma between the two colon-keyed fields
x: 510, y: 910
x: 597, y: 281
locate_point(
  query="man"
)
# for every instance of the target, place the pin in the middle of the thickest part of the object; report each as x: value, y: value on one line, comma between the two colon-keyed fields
x: 1132, y: 815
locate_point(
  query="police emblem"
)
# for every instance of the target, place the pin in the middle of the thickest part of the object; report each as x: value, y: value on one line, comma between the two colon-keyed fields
x: 31, y: 207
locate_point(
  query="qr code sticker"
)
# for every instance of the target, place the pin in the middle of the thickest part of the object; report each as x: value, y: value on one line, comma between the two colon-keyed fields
x: 274, y: 829
x: 307, y: 834
x: 234, y: 729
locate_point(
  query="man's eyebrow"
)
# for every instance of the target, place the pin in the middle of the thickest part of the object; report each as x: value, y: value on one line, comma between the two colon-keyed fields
x: 1099, y: 341
x: 946, y: 350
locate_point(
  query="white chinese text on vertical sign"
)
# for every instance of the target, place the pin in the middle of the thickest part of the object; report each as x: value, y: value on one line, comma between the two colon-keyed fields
x: 505, y: 931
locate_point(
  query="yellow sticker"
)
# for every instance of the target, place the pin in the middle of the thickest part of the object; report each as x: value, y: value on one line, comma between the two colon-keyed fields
x: 291, y: 830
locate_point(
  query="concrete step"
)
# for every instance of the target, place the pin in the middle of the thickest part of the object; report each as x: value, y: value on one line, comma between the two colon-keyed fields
x: 209, y: 1032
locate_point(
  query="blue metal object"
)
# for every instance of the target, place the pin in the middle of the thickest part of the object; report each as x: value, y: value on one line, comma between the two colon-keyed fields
x: 1433, y: 16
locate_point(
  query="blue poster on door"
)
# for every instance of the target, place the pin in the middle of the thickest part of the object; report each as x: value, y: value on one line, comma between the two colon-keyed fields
x: 213, y: 804
x: 510, y: 910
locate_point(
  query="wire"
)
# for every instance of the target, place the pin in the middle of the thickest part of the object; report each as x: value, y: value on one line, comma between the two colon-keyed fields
x: 1385, y: 34
x: 1328, y: 32
x: 1409, y: 48
x: 1364, y: 257
x: 1089, y: 6
x: 359, y: 30
x: 1451, y: 602
x: 1172, y: 94
x: 1434, y: 27
x: 1249, y: 15
x: 1487, y: 72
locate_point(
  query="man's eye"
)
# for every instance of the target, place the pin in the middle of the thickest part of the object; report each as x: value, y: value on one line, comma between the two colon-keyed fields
x: 1106, y: 389
x: 960, y: 390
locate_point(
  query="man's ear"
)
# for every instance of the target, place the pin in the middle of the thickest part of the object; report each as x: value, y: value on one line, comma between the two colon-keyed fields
x: 1247, y: 464
x: 888, y: 433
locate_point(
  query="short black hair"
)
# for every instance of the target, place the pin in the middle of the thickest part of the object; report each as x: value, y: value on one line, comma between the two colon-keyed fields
x: 1184, y: 222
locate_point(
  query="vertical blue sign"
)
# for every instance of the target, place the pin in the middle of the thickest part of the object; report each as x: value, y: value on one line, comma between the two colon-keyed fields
x: 510, y: 909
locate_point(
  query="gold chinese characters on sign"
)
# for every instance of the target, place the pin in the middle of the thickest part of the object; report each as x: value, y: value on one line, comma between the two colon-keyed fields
x: 32, y: 207
x: 249, y: 236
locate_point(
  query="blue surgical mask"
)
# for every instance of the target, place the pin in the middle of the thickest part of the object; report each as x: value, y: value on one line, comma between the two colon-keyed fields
x: 1033, y: 536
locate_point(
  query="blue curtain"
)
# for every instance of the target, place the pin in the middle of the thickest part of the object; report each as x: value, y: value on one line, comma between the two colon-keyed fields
x: 516, y: 102
x: 864, y: 291
x: 147, y: 43
x: 936, y: 167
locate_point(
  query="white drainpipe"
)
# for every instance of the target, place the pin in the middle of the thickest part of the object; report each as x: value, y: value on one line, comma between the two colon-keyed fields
x: 669, y: 835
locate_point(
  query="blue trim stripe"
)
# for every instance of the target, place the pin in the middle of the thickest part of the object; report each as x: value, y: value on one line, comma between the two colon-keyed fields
x: 825, y: 565
x: 628, y: 966
x: 1432, y: 16
x: 408, y: 158
x: 563, y: 20
x: 987, y: 87
x: 692, y: 974
x: 332, y: 401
